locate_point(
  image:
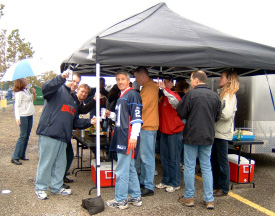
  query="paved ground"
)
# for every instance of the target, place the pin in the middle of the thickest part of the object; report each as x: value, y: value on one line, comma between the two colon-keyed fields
x: 242, y: 200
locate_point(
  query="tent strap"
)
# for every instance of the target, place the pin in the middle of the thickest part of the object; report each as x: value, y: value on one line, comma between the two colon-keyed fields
x: 272, y: 99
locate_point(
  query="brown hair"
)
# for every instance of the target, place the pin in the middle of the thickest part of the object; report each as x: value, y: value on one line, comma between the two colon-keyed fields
x: 185, y: 86
x: 85, y: 86
x: 77, y: 74
x: 19, y: 85
x: 232, y: 85
x: 200, y: 75
x: 141, y: 69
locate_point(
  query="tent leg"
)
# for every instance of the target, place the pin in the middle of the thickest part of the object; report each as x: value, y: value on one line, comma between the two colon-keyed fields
x: 97, y: 129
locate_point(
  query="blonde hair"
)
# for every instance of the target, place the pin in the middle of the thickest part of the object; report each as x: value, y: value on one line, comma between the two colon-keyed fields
x: 232, y: 85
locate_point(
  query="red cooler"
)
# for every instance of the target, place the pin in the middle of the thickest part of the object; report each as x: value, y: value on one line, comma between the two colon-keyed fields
x: 243, y: 170
x: 107, y: 175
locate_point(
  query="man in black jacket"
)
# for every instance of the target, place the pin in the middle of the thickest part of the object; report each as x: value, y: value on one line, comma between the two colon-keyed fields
x: 83, y: 91
x: 59, y: 116
x: 201, y: 107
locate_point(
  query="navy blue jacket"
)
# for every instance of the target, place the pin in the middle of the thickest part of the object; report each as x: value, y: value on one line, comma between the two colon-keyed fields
x: 60, y: 113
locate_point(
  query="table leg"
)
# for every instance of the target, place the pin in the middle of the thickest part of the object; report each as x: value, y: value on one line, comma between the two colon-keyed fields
x: 77, y: 155
x: 249, y: 167
x: 81, y: 162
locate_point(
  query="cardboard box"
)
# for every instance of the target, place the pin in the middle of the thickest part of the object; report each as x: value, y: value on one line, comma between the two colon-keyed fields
x: 107, y: 175
x: 243, y: 169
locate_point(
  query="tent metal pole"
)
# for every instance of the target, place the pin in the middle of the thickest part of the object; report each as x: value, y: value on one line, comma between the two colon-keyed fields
x: 97, y: 130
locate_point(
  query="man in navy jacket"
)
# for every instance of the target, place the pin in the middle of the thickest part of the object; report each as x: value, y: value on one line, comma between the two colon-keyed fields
x: 59, y: 117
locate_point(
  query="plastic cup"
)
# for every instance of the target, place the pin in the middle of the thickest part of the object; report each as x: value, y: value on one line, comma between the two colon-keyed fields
x: 103, y: 111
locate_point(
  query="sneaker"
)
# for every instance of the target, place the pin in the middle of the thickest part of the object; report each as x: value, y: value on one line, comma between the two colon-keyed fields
x: 209, y: 205
x: 161, y: 186
x: 172, y: 189
x: 182, y: 167
x: 64, y: 191
x: 115, y: 204
x: 188, y: 202
x: 41, y: 194
x: 135, y: 201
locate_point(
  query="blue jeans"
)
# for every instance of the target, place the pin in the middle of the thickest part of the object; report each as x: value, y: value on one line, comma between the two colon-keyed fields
x: 126, y: 178
x: 170, y: 155
x: 70, y: 157
x: 22, y: 142
x: 190, y: 155
x: 147, y: 156
x: 220, y: 165
x: 51, y: 165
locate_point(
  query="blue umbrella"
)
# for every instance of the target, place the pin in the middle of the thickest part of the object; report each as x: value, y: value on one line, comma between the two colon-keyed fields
x: 26, y: 68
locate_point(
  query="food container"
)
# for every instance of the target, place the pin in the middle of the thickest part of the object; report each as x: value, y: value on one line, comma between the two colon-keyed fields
x: 244, y: 138
x: 246, y: 134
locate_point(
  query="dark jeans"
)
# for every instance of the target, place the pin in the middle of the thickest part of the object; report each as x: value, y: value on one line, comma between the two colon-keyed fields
x: 220, y: 165
x: 70, y: 157
x: 170, y: 150
x: 22, y: 142
x: 182, y: 153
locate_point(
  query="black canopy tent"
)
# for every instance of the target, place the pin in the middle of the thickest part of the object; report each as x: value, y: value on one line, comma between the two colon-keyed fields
x: 165, y: 42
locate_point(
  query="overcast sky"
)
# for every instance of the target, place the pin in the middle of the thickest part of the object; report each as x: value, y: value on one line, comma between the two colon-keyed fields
x: 57, y: 28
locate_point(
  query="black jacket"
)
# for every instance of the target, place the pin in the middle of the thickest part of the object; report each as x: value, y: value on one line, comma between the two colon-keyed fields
x: 85, y: 106
x: 60, y: 113
x: 201, y: 107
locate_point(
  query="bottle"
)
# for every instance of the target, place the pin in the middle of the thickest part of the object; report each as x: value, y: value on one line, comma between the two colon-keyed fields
x: 239, y: 135
x: 82, y: 133
x: 70, y: 77
x: 108, y: 132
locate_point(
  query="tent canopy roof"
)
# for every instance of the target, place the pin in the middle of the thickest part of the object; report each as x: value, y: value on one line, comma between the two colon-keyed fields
x: 168, y: 43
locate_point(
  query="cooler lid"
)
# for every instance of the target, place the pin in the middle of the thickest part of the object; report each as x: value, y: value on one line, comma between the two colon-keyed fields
x: 234, y: 159
x: 104, y: 165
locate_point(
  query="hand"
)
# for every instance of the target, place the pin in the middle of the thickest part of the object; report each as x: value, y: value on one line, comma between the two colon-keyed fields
x: 65, y: 74
x: 18, y: 122
x: 161, y: 85
x: 95, y: 96
x: 107, y: 113
x: 132, y: 144
x: 33, y: 91
x: 93, y: 120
